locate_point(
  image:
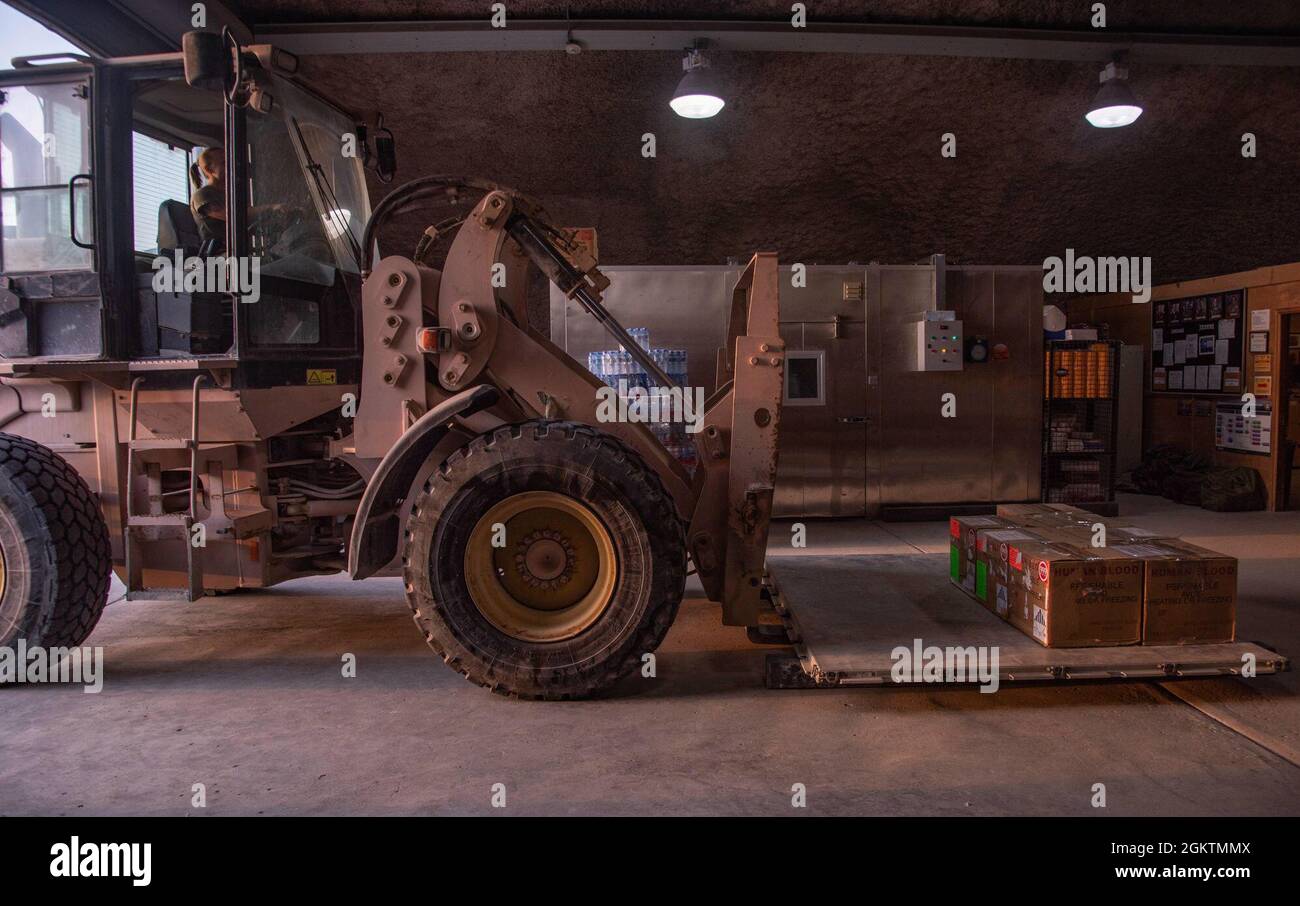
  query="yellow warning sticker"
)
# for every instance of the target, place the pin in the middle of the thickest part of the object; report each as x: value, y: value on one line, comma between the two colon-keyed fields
x: 322, y: 376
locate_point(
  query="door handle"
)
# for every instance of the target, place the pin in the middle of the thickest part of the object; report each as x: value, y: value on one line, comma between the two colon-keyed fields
x: 72, y: 209
x: 853, y: 420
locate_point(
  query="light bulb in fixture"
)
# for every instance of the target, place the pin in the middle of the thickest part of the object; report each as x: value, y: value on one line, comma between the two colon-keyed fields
x: 1114, y: 104
x: 697, y: 96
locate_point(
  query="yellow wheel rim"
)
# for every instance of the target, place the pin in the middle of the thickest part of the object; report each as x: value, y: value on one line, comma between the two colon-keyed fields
x: 540, y: 566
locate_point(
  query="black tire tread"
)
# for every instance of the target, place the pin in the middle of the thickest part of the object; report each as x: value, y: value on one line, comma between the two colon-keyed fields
x: 78, y: 543
x: 652, y: 631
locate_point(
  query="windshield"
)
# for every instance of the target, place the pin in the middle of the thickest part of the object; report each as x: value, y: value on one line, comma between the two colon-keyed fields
x: 308, y: 202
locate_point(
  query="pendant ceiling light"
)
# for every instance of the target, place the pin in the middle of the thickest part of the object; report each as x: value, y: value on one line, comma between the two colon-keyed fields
x: 1114, y: 104
x: 697, y: 96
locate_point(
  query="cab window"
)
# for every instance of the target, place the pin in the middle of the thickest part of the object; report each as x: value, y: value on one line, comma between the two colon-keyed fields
x: 171, y: 123
x: 161, y: 175
x: 44, y: 144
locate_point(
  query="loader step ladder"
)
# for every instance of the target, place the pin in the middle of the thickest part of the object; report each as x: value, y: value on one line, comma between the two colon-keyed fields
x: 183, y: 520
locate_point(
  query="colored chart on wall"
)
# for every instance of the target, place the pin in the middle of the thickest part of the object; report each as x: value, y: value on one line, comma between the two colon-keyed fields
x: 1235, y: 430
x: 1196, y: 344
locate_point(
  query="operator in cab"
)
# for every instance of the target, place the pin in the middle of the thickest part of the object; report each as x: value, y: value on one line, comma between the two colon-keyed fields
x: 208, y: 200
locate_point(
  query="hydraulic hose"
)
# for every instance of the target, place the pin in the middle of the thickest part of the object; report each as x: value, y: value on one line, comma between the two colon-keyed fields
x: 410, y: 192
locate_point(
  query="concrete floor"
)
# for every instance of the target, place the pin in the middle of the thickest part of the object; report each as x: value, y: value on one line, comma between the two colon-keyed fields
x: 245, y: 695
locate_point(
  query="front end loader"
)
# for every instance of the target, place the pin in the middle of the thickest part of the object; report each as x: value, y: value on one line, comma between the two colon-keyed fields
x: 397, y: 416
x: 544, y: 550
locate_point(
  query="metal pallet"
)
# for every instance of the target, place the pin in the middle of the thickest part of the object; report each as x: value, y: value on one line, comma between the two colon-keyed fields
x: 846, y: 614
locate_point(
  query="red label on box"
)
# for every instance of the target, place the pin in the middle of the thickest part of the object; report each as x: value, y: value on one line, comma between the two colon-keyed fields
x: 1017, y: 559
x: 1042, y: 571
x: 953, y: 528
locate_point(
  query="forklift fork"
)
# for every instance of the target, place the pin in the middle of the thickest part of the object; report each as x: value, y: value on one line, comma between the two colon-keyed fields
x: 737, y: 450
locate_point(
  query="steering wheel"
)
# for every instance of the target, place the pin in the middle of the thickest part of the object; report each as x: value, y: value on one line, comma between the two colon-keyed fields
x: 269, y: 224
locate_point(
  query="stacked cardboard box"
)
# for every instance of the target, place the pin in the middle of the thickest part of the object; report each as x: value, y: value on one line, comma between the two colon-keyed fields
x: 1064, y: 595
x: 1068, y: 578
x: 964, y: 565
x: 1190, y: 593
x: 995, y: 549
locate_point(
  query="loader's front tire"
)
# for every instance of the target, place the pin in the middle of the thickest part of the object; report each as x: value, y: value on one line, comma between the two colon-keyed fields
x: 544, y: 560
x: 55, y: 559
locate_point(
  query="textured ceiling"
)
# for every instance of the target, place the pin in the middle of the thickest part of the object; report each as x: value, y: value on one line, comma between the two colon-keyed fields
x: 1210, y: 15
x: 830, y: 158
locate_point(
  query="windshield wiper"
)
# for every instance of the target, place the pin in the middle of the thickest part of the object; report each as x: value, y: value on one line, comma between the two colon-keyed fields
x: 327, y: 195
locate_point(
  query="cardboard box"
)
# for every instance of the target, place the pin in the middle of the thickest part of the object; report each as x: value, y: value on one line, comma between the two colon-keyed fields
x: 1051, y: 520
x: 994, y: 547
x: 1132, y: 534
x: 1190, y: 593
x: 1084, y: 518
x: 1054, y: 514
x: 1055, y: 519
x: 1020, y: 510
x: 1072, y: 511
x: 1065, y: 596
x: 1063, y: 510
x: 1117, y: 532
x: 1077, y: 526
x: 964, y: 568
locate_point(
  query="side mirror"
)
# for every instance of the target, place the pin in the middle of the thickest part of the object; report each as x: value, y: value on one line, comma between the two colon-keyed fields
x: 206, y: 60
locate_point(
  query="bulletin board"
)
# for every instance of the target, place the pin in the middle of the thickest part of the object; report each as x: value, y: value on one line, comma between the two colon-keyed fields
x: 1197, y: 344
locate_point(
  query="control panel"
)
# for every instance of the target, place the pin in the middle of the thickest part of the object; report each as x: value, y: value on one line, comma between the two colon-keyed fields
x: 939, y: 345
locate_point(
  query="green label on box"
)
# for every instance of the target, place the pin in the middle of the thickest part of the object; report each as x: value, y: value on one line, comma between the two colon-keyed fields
x: 981, y: 580
x: 954, y: 563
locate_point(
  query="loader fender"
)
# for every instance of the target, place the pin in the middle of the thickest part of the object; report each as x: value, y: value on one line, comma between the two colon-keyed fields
x: 378, y: 520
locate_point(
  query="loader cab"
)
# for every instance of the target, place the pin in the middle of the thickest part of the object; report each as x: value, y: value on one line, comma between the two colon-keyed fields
x: 103, y: 256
